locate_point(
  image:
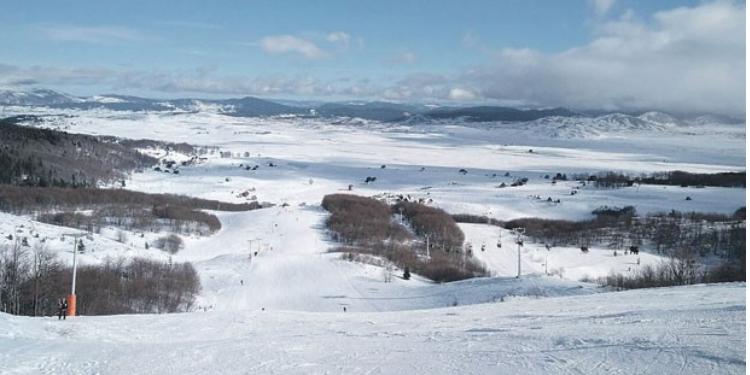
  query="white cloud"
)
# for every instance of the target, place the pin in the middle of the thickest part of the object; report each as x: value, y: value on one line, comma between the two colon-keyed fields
x: 92, y: 34
x: 282, y: 44
x: 601, y: 7
x: 460, y: 94
x: 683, y: 59
x: 339, y: 37
x: 688, y: 59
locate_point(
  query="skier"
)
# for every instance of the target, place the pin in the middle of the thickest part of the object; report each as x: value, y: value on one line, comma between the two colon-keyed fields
x: 62, y: 306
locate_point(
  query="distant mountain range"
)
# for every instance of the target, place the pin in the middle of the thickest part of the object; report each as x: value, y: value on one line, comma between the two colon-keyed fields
x: 244, y: 107
x: 375, y: 111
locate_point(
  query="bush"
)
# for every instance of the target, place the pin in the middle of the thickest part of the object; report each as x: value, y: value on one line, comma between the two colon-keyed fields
x: 171, y: 243
x: 475, y: 219
x: 673, y: 273
x: 446, y: 268
x: 725, y: 272
x: 360, y: 220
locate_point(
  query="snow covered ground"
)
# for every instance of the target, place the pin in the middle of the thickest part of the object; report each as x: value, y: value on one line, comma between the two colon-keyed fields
x: 301, y: 160
x: 293, y: 268
x: 314, y: 157
x: 281, y: 310
x: 686, y: 330
x: 564, y: 262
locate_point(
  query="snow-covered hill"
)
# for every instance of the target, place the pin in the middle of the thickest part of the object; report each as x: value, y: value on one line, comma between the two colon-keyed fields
x: 684, y: 330
x: 615, y: 124
x: 242, y: 107
x: 550, y: 123
x: 37, y: 97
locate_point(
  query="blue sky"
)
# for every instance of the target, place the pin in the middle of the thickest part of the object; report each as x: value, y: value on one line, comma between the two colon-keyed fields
x: 393, y: 50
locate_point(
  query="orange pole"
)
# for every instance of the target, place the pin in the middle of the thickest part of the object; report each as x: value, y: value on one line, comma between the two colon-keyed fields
x: 71, y: 305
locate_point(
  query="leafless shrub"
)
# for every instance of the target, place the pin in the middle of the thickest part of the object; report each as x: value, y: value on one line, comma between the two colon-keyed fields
x: 725, y: 272
x: 682, y: 269
x: 475, y: 219
x: 122, y: 237
x: 171, y: 243
x: 361, y: 220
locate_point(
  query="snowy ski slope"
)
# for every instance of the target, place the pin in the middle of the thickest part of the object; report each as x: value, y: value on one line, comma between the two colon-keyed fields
x: 685, y: 330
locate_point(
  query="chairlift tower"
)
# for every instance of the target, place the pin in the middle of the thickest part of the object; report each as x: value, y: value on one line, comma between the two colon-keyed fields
x: 518, y: 232
x: 427, y: 246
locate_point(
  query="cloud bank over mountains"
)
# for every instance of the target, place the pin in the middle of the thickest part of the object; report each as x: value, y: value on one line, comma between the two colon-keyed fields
x: 682, y: 59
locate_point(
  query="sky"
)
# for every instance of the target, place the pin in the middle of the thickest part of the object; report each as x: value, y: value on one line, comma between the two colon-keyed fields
x: 585, y: 54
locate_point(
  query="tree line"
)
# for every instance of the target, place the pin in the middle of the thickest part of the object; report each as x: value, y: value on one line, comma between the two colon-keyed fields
x: 674, y: 178
x: 33, y: 279
x: 24, y: 200
x: 674, y: 234
x: 369, y: 226
x: 44, y: 157
x: 121, y: 208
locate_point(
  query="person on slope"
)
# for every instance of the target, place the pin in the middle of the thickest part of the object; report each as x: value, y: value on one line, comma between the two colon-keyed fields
x: 62, y: 309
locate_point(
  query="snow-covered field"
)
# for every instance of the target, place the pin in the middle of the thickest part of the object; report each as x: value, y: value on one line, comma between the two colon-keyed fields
x: 314, y: 157
x: 685, y: 330
x: 282, y: 310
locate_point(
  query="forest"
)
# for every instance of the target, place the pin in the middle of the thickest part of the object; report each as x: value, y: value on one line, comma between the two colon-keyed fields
x: 413, y: 236
x: 32, y: 280
x: 120, y: 208
x: 43, y: 157
x: 684, y: 238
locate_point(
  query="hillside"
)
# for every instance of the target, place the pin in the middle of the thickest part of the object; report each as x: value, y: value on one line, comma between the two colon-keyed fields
x: 495, y: 113
x: 42, y: 157
x: 646, y: 331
